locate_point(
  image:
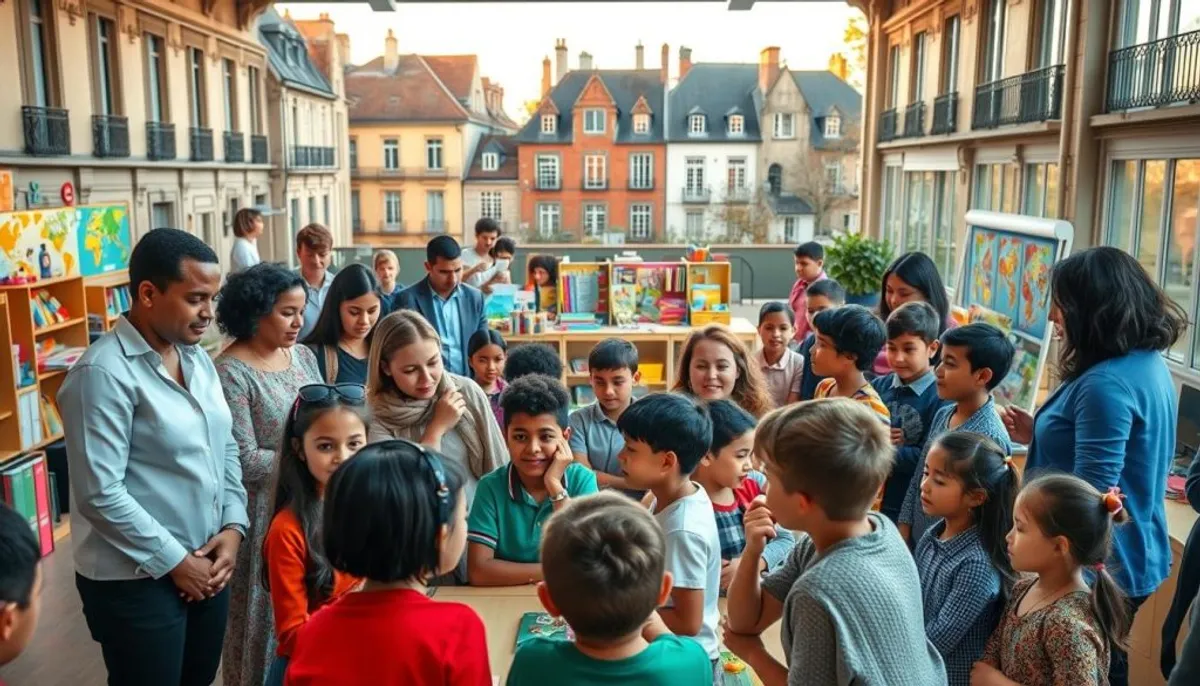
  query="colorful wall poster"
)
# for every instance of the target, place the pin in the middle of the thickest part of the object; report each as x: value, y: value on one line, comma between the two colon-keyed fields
x: 31, y: 238
x: 983, y: 271
x: 104, y: 239
x: 7, y: 196
x: 1035, y: 287
x: 1008, y: 277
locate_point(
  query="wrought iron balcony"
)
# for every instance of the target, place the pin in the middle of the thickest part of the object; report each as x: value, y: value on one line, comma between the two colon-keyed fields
x: 434, y: 226
x: 594, y: 185
x: 235, y: 147
x: 110, y: 136
x: 394, y: 227
x: 202, y: 144
x: 386, y: 173
x: 1030, y: 97
x: 945, y: 114
x: 738, y: 194
x: 641, y: 184
x: 160, y: 141
x: 312, y: 157
x: 887, y: 125
x: 914, y: 119
x: 47, y: 131
x: 697, y: 195
x: 1154, y: 74
x: 258, y: 149
x: 549, y: 184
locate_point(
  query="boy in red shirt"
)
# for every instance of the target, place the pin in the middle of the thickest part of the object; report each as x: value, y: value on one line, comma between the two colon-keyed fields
x: 810, y: 268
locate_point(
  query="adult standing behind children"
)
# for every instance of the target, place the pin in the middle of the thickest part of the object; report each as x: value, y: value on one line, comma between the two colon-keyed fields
x: 1112, y: 421
x: 595, y: 439
x: 313, y: 245
x: 810, y: 268
x: 158, y: 505
x: 454, y: 309
x: 342, y: 337
x: 261, y: 371
x: 479, y: 266
x: 913, y: 277
x: 247, y: 227
x: 715, y: 364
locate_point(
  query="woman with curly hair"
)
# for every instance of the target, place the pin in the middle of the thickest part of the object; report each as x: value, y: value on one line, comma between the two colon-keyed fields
x: 715, y: 364
x: 262, y: 309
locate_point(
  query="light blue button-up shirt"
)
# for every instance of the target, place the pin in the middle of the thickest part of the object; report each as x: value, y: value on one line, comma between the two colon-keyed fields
x: 449, y: 327
x: 154, y: 466
x: 314, y: 300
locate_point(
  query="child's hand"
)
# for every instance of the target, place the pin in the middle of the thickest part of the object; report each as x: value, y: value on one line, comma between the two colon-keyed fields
x: 740, y: 644
x: 897, y: 436
x: 558, y: 467
x: 728, y: 569
x: 759, y: 526
x: 983, y: 674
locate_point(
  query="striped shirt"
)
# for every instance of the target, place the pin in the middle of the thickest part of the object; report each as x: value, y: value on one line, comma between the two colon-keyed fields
x: 866, y: 395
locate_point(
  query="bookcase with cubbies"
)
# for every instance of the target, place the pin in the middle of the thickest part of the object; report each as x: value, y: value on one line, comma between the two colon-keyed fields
x: 583, y: 294
x: 709, y: 285
x: 655, y: 362
x: 107, y: 297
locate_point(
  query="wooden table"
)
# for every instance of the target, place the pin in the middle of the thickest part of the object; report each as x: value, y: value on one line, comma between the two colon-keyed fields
x: 501, y: 609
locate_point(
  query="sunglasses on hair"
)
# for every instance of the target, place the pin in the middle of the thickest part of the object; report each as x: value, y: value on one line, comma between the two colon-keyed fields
x: 350, y: 393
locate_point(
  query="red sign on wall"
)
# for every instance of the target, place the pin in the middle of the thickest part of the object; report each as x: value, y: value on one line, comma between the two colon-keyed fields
x: 67, y: 192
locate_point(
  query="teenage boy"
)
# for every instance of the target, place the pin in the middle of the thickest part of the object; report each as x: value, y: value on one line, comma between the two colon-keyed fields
x: 532, y: 358
x: 848, y: 340
x: 313, y: 245
x: 848, y: 595
x: 975, y: 359
x: 595, y: 439
x: 810, y: 268
x: 825, y: 294
x: 387, y: 268
x: 910, y: 393
x: 604, y: 559
x: 21, y: 585
x: 503, y: 252
x: 453, y: 308
x: 513, y: 502
x: 478, y: 264
x: 666, y: 436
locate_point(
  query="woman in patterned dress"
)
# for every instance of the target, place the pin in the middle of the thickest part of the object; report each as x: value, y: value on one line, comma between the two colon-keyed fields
x: 262, y: 309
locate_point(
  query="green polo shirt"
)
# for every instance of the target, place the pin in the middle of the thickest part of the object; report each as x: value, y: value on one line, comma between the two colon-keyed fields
x: 505, y: 518
x: 668, y: 660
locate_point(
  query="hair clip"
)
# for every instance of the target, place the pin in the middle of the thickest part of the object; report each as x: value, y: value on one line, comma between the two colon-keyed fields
x: 1112, y: 500
x: 1099, y: 567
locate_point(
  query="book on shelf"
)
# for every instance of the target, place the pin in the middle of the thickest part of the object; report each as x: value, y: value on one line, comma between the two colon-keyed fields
x: 578, y: 321
x: 658, y: 292
x: 583, y: 395
x: 30, y: 412
x: 117, y: 300
x: 579, y: 365
x: 54, y: 356
x: 51, y: 420
x: 26, y: 489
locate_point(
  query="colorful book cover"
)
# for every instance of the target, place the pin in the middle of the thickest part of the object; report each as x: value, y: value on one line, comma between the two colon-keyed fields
x: 542, y: 625
x: 41, y: 490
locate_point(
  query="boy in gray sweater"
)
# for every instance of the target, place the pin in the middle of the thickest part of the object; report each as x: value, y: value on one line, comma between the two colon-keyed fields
x: 849, y: 595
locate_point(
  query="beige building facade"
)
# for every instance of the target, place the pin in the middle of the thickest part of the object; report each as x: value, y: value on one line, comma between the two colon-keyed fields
x: 155, y: 104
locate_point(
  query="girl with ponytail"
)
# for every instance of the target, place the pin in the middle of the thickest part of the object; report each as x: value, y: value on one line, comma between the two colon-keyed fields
x: 1058, y: 629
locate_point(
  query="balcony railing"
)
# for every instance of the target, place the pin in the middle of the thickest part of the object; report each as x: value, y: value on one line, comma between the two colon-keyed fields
x: 1154, y: 74
x: 312, y: 157
x: 945, y: 114
x: 887, y: 126
x: 110, y: 136
x: 160, y: 141
x: 641, y: 185
x: 432, y: 226
x: 258, y: 149
x: 235, y: 147
x: 384, y: 173
x: 601, y: 185
x: 738, y: 194
x: 393, y: 227
x: 549, y: 184
x: 356, y: 225
x: 914, y: 119
x: 202, y: 144
x: 1030, y: 97
x: 697, y: 195
x: 47, y: 131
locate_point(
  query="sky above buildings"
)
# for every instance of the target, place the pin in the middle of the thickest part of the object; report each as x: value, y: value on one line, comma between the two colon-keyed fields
x: 511, y: 38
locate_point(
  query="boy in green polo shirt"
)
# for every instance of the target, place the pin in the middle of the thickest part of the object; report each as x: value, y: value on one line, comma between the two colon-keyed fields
x: 605, y: 559
x: 512, y: 503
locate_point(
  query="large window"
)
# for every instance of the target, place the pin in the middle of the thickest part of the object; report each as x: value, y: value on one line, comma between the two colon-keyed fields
x: 991, y: 68
x: 694, y: 224
x: 996, y: 187
x: 1041, y: 190
x: 491, y: 205
x: 737, y: 173
x: 918, y: 65
x: 791, y: 229
x: 641, y: 224
x: 104, y: 66
x: 38, y: 53
x: 229, y: 82
x: 255, y: 105
x: 547, y: 172
x: 549, y: 219
x: 391, y: 153
x: 435, y: 210
x: 1144, y: 21
x: 785, y: 125
x: 433, y: 154
x: 1052, y: 33
x: 391, y: 210
x: 893, y: 93
x: 919, y: 214
x: 833, y: 177
x: 595, y: 220
x: 594, y: 171
x: 593, y: 121
x: 950, y: 55
x: 354, y: 153
x: 156, y: 79
x: 196, y: 87
x: 641, y: 170
x: 694, y: 174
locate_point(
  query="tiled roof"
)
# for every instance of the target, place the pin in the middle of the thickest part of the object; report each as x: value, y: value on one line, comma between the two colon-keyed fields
x: 288, y: 55
x: 625, y: 85
x: 716, y: 91
x: 825, y: 93
x: 787, y: 203
x: 457, y: 72
x: 411, y: 92
x: 506, y: 148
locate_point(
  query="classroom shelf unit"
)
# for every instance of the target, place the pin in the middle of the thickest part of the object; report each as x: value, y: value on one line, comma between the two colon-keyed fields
x: 107, y: 296
x: 667, y: 293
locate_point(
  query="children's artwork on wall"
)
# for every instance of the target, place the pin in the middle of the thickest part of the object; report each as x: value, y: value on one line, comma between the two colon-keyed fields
x: 104, y: 239
x: 65, y: 241
x: 1005, y: 281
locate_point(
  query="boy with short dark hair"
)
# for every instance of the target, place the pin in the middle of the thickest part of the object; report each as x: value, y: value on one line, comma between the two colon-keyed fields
x: 532, y: 358
x: 810, y: 268
x: 666, y: 435
x: 513, y: 502
x: 825, y: 294
x: 849, y: 596
x: 910, y: 393
x: 848, y: 340
x: 479, y: 266
x: 975, y: 359
x: 313, y: 245
x: 21, y: 582
x: 595, y: 439
x: 604, y: 557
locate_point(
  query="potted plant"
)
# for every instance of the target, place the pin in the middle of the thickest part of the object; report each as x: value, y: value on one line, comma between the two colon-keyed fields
x: 858, y: 263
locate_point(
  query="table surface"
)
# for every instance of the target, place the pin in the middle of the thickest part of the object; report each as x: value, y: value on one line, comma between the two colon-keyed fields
x: 501, y: 609
x: 740, y: 326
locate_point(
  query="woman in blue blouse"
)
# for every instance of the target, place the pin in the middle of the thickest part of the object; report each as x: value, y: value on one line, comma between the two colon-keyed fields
x: 1112, y: 421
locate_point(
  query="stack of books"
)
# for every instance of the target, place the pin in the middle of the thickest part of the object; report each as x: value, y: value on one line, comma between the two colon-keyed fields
x: 47, y: 311
x: 25, y: 486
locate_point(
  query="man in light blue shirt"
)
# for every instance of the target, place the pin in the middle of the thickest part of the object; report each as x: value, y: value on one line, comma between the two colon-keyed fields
x: 156, y: 483
x: 313, y: 245
x: 452, y: 307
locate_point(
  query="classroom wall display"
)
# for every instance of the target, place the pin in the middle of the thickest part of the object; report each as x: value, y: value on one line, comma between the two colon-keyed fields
x: 1005, y: 281
x: 65, y: 241
x: 7, y: 196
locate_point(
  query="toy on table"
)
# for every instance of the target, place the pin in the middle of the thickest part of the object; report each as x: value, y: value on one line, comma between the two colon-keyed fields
x: 542, y: 625
x: 735, y: 672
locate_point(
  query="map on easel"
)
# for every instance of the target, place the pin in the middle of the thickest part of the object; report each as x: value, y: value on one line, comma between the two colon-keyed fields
x: 1005, y: 282
x: 542, y: 625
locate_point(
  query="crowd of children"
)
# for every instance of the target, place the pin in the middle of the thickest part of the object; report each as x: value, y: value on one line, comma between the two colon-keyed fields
x: 918, y: 558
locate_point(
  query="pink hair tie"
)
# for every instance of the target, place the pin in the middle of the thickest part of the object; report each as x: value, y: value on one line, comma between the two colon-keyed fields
x: 1112, y: 500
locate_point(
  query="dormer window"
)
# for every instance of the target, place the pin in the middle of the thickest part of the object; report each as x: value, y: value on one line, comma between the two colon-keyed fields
x: 593, y: 121
x: 737, y: 124
x: 833, y: 126
x: 548, y: 123
x: 641, y: 123
x: 491, y: 161
x: 696, y: 125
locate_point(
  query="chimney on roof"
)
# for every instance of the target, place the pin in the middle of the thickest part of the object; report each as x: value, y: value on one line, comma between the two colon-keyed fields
x: 391, y: 53
x: 768, y: 67
x: 546, y: 83
x: 685, y: 61
x: 640, y: 53
x: 585, y: 61
x: 560, y: 59
x: 324, y: 18
x: 666, y: 62
x: 499, y: 99
x: 838, y: 65
x: 343, y: 49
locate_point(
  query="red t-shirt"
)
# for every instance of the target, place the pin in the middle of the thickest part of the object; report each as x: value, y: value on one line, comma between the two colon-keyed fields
x: 391, y: 637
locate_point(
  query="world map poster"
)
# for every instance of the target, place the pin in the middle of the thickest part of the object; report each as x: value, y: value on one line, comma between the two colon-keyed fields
x: 104, y: 240
x: 87, y: 241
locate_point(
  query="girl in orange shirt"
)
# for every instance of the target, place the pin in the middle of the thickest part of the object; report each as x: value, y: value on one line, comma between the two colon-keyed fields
x: 327, y: 426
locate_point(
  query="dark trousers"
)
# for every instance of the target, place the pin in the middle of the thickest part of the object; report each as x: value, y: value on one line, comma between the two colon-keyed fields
x: 1118, y: 664
x: 149, y: 636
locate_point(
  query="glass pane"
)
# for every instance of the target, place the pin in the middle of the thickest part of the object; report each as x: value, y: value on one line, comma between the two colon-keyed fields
x: 982, y: 188
x: 1034, y: 189
x: 1009, y: 203
x: 997, y: 188
x: 1149, y: 234
x: 912, y: 228
x: 1120, y: 203
x: 944, y: 240
x: 1051, y: 191
x: 1181, y: 241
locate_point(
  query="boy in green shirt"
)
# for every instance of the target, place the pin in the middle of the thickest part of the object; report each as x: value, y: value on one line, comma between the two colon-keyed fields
x: 604, y: 559
x: 512, y: 503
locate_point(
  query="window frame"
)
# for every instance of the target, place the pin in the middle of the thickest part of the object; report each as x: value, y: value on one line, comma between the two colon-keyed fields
x: 951, y: 39
x: 197, y: 85
x: 388, y: 196
x: 591, y: 210
x: 154, y: 57
x: 352, y: 150
x: 641, y: 123
x: 777, y: 128
x: 104, y: 64
x: 595, y: 171
x: 833, y: 126
x: 549, y: 124
x: 435, y: 147
x: 695, y: 163
x: 440, y: 195
x: 636, y: 161
x: 229, y: 88
x: 395, y: 147
x: 491, y: 204
x: 737, y: 125
x: 697, y: 125
x: 638, y: 211
x: 51, y: 74
x: 490, y: 161
x: 589, y: 123
x: 733, y: 165
x: 254, y: 98
x: 552, y: 211
x: 557, y: 172
x: 919, y: 56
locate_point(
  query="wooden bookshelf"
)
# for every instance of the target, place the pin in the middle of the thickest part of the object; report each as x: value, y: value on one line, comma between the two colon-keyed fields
x: 640, y: 279
x: 96, y: 290
x: 571, y: 270
x: 709, y: 273
x: 10, y: 422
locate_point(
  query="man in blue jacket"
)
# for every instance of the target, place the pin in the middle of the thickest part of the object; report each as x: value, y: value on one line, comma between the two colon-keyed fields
x: 452, y: 307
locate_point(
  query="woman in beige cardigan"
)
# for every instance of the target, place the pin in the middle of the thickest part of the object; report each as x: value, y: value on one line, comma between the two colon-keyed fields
x: 412, y: 396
